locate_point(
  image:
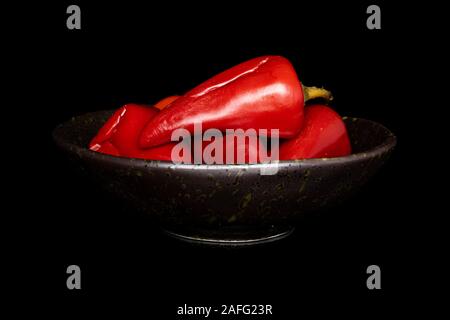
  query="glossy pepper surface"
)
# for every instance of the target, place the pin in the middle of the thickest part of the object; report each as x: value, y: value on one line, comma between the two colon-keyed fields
x: 123, y: 128
x: 120, y: 134
x: 323, y: 135
x: 262, y: 93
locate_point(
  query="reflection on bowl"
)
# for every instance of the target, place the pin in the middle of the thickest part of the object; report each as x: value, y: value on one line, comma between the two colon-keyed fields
x: 228, y: 204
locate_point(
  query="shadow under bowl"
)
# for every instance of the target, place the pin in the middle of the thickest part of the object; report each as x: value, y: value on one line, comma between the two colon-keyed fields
x: 228, y: 204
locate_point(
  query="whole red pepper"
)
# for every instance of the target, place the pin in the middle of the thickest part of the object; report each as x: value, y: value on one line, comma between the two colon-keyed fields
x: 262, y: 93
x: 323, y: 135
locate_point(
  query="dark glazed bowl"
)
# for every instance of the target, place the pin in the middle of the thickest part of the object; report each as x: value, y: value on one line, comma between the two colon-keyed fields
x: 228, y: 204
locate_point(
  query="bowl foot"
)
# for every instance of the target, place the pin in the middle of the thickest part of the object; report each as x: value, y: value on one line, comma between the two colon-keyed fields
x: 231, y: 236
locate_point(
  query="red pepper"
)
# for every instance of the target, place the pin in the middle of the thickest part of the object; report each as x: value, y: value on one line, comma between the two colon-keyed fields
x: 163, y: 153
x: 128, y: 130
x: 163, y: 103
x: 262, y: 93
x: 123, y: 128
x: 107, y: 148
x: 246, y: 152
x: 119, y: 135
x: 108, y: 130
x: 323, y: 135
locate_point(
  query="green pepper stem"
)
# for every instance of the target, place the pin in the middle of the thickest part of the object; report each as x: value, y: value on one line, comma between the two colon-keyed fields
x: 310, y: 93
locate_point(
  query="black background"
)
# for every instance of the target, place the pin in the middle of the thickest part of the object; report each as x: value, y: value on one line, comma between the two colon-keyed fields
x: 131, y: 52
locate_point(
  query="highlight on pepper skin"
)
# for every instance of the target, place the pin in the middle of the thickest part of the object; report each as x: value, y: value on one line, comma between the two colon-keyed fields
x: 261, y: 99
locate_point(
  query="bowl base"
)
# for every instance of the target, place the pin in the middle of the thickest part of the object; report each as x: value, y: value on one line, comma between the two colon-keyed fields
x: 232, y: 236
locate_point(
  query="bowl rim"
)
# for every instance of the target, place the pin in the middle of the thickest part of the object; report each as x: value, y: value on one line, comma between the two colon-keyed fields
x: 388, y: 144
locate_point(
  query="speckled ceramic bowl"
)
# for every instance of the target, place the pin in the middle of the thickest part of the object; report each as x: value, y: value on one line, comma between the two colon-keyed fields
x: 228, y: 204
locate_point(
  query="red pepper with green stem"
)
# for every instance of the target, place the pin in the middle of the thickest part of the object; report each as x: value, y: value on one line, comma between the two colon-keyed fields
x: 262, y: 93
